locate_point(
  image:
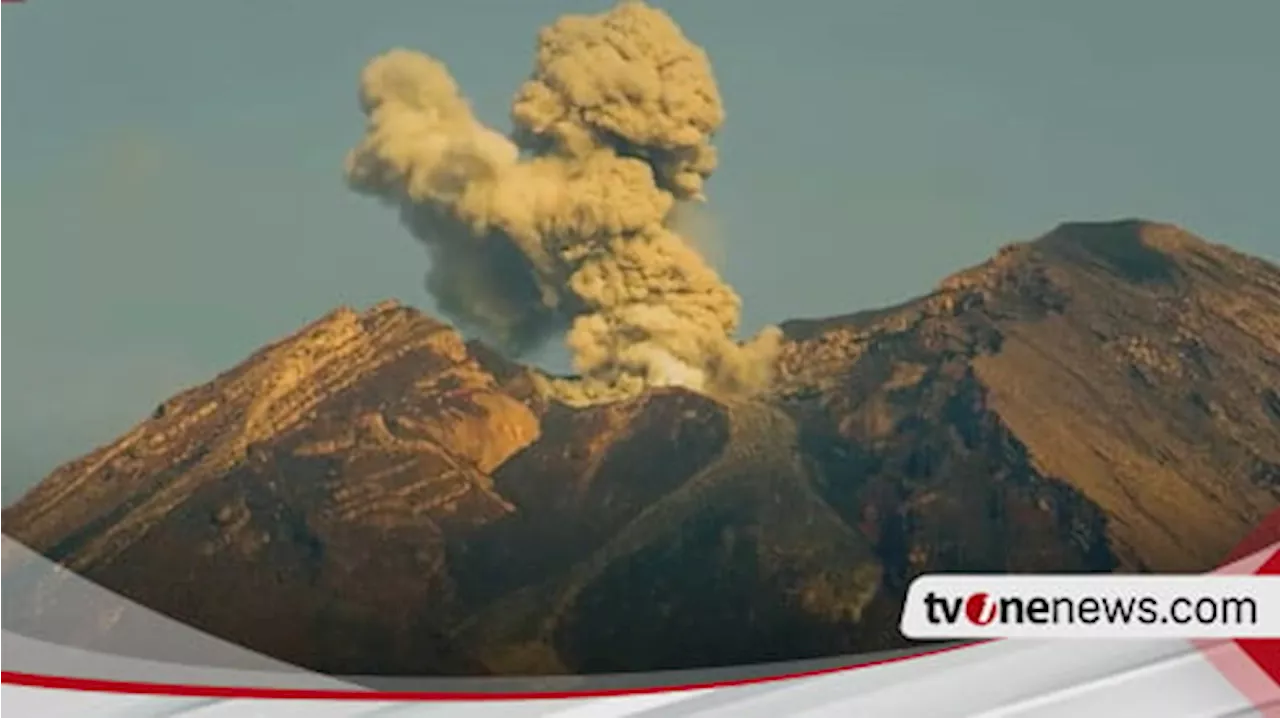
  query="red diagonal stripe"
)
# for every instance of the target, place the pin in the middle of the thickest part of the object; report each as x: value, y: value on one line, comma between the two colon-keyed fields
x: 1266, y: 652
x: 1253, y: 666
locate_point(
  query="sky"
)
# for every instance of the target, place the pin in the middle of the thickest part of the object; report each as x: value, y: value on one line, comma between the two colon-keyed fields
x: 174, y: 191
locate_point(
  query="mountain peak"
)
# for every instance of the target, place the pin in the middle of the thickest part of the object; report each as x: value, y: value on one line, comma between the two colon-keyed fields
x: 1135, y: 250
x: 1131, y: 225
x: 1130, y: 256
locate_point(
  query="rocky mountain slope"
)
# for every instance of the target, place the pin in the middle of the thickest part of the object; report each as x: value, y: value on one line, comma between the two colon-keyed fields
x: 375, y: 495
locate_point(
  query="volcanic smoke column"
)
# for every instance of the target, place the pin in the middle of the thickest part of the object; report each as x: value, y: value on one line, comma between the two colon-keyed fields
x: 564, y: 226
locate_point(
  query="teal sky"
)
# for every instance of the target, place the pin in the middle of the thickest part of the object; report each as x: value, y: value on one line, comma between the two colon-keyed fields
x: 174, y: 196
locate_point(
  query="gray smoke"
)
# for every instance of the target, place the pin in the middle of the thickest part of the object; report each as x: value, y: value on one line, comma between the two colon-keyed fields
x: 567, y: 224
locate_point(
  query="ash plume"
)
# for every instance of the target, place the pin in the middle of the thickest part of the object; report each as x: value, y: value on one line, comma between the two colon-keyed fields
x: 567, y: 224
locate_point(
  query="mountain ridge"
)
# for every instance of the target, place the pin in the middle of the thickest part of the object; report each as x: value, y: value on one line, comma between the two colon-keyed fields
x: 1093, y: 400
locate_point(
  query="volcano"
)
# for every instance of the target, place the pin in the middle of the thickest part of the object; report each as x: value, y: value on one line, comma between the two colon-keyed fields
x: 376, y: 495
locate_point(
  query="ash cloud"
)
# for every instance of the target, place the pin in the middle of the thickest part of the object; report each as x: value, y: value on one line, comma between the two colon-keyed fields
x: 568, y: 225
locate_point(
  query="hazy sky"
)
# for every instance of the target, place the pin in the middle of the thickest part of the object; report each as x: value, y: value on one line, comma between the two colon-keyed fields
x: 174, y: 194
